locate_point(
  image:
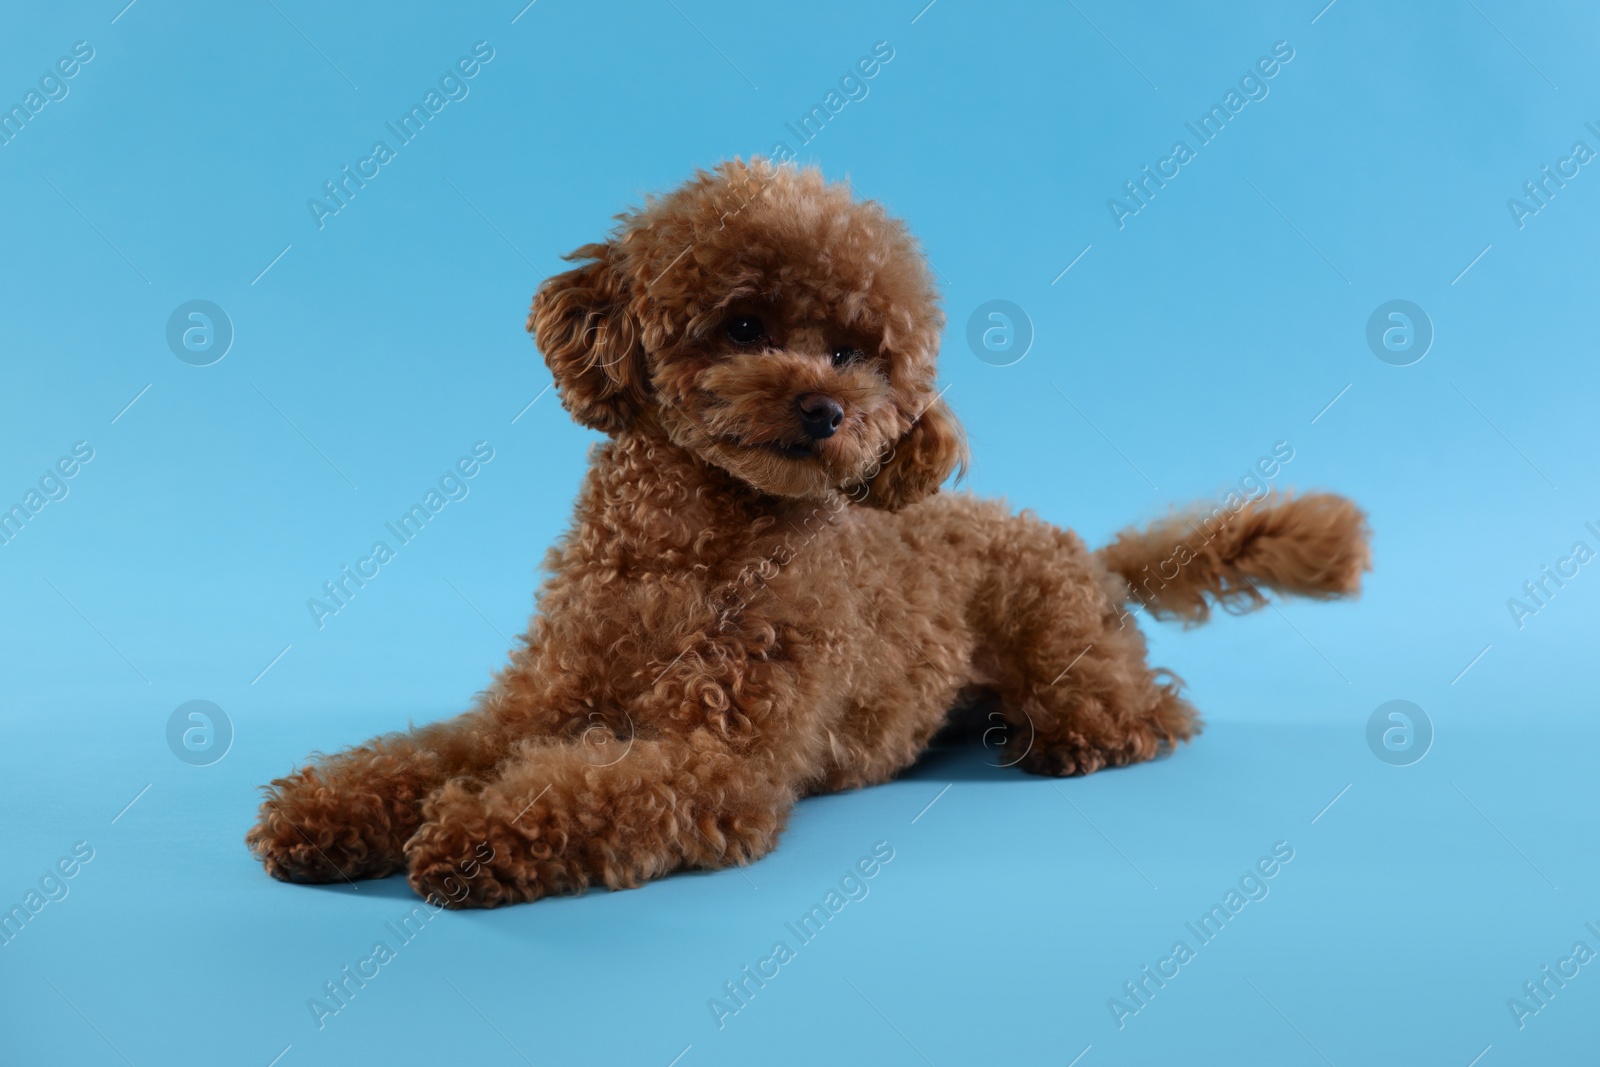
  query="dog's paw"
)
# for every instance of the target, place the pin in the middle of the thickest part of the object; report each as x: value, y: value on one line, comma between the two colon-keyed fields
x: 1073, y: 757
x: 1062, y: 760
x: 451, y: 872
x: 456, y: 869
x: 468, y: 853
x: 308, y: 832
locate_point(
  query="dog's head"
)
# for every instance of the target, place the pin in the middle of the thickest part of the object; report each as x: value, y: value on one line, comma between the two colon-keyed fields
x: 765, y: 321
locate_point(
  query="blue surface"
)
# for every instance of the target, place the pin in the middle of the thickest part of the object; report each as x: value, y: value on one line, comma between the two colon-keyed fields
x: 1228, y: 314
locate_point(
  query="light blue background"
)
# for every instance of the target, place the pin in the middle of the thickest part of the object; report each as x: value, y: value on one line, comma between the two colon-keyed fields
x: 1223, y: 318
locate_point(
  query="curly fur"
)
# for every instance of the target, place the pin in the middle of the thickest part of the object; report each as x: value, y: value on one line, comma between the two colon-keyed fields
x: 743, y: 613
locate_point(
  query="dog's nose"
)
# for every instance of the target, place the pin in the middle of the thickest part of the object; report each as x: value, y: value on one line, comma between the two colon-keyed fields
x: 820, y: 415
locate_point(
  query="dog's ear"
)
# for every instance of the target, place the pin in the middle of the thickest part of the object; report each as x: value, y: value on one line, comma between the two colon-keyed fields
x: 590, y: 340
x: 921, y: 460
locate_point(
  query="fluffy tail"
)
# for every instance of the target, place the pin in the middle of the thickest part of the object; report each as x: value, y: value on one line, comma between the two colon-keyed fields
x: 1313, y: 545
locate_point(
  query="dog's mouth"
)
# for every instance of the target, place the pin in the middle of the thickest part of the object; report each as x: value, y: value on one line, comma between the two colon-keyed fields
x: 789, y: 451
x: 803, y: 450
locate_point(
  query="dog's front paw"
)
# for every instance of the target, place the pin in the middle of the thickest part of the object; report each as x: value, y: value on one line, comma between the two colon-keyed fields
x: 307, y: 831
x: 450, y: 871
x: 470, y: 854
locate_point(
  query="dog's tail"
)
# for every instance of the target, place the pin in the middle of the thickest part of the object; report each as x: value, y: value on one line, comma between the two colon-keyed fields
x: 1314, y: 545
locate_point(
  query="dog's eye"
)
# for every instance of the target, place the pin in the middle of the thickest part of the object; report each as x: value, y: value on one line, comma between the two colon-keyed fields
x: 844, y: 355
x: 745, y: 329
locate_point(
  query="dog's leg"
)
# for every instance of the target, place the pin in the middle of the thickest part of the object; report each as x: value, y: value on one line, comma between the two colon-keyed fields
x: 562, y: 816
x: 1073, y: 707
x: 1068, y: 661
x: 348, y: 815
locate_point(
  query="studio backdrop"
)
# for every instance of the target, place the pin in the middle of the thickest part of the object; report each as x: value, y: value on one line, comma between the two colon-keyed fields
x: 280, y: 465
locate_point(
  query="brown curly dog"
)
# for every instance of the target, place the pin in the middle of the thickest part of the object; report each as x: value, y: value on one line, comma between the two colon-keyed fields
x: 763, y: 594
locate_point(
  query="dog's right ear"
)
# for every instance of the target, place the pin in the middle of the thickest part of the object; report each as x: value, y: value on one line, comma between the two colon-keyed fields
x: 581, y: 322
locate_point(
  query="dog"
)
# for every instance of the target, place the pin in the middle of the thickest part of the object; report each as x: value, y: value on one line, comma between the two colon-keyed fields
x: 764, y: 593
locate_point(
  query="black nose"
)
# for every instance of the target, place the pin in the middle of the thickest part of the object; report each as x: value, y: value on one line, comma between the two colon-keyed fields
x: 820, y: 415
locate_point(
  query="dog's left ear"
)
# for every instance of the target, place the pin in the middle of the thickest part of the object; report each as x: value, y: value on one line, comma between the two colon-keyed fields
x: 921, y: 460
